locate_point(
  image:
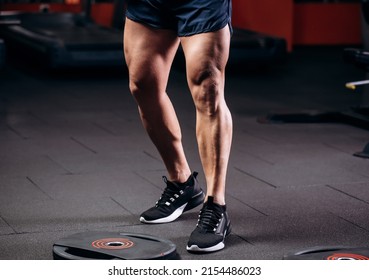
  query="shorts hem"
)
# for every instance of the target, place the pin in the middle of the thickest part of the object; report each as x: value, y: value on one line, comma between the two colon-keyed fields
x: 212, y: 29
x: 146, y: 23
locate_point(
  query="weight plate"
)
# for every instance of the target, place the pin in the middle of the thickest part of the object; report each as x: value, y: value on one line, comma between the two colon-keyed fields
x: 330, y: 253
x: 111, y: 245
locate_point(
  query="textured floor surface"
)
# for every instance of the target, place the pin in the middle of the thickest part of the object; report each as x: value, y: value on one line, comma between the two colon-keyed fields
x: 74, y: 157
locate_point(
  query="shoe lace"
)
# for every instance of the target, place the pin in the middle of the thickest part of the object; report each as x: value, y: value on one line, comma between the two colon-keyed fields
x: 209, y: 219
x: 169, y: 195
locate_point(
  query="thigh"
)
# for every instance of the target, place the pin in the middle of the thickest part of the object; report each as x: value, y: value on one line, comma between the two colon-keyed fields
x: 206, y: 55
x: 149, y: 54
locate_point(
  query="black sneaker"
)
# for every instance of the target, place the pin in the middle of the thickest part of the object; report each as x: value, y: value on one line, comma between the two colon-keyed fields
x: 176, y: 199
x: 211, y: 229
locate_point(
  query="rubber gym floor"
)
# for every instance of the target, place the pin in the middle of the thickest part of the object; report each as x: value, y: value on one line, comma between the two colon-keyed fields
x: 74, y: 157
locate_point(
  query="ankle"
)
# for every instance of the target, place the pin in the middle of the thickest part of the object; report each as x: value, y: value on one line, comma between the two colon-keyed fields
x: 180, y: 177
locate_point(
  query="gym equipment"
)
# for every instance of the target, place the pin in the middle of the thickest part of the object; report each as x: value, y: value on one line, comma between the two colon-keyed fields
x: 63, y: 40
x: 60, y: 40
x: 103, y: 245
x: 330, y: 253
x: 358, y: 116
x: 2, y: 54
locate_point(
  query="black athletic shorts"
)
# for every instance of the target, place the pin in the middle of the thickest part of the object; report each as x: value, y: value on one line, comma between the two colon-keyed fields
x: 186, y: 17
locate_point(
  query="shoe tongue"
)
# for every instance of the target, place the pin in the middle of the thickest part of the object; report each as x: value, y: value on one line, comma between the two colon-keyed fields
x: 173, y: 185
x: 210, y: 214
x: 210, y: 200
x: 177, y: 185
x: 170, y: 184
x: 210, y: 204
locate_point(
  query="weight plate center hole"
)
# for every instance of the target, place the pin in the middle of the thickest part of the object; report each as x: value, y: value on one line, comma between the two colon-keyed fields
x: 115, y: 244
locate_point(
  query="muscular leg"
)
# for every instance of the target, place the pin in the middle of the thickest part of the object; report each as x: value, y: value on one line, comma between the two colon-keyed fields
x: 149, y: 55
x: 206, y: 57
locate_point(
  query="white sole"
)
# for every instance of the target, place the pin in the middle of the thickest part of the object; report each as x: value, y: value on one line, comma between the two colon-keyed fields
x: 217, y: 247
x: 195, y: 248
x: 167, y: 219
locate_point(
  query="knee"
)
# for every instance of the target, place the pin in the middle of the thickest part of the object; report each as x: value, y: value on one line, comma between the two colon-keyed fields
x: 137, y: 86
x: 142, y: 87
x: 207, y: 91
